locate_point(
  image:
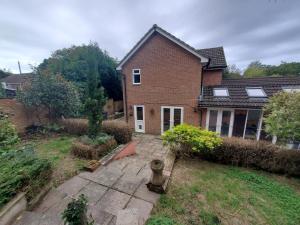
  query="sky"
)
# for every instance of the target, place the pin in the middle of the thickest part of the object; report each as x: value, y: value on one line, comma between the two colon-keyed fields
x: 266, y: 30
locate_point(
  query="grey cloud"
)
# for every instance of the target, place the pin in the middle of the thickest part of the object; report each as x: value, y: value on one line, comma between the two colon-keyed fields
x: 268, y: 30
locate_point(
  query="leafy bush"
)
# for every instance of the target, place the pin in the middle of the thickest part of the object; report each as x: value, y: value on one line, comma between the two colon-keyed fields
x: 43, y: 129
x: 22, y: 171
x: 2, y: 91
x: 74, y: 126
x: 88, y: 148
x: 75, y: 213
x: 283, y: 117
x: 8, y: 134
x: 186, y: 140
x: 119, y: 129
x: 257, y: 154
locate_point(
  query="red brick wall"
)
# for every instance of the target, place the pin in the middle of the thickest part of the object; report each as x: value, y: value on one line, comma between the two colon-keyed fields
x: 170, y: 76
x: 203, y: 118
x: 20, y: 116
x: 212, y: 77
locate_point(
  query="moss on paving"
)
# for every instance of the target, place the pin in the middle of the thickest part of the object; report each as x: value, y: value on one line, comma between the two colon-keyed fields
x: 207, y: 193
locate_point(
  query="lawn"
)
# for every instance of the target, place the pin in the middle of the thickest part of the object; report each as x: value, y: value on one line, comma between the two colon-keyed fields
x: 57, y: 150
x: 205, y: 193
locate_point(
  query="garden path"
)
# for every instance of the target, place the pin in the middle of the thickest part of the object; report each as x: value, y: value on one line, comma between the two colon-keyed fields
x: 110, y: 189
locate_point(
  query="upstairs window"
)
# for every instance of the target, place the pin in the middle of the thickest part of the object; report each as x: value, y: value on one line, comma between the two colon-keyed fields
x: 136, y: 76
x: 256, y: 92
x: 291, y: 89
x: 221, y: 92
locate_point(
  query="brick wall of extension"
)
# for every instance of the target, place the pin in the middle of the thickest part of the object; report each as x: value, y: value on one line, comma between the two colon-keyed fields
x: 170, y: 76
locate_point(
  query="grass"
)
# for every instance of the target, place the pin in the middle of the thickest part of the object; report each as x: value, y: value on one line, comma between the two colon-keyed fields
x: 205, y: 193
x: 57, y: 150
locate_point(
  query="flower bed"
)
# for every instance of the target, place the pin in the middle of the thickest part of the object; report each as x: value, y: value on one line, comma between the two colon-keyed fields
x: 22, y: 171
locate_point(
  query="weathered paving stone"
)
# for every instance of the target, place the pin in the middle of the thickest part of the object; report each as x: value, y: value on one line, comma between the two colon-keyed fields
x: 28, y: 218
x: 107, y: 177
x: 100, y: 217
x: 93, y: 192
x: 128, y: 184
x: 128, y: 217
x: 113, y: 221
x: 73, y: 186
x: 144, y: 208
x: 143, y: 193
x: 50, y: 199
x: 113, y: 201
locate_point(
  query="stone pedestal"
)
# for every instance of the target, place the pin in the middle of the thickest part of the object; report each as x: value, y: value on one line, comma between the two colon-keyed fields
x: 157, y: 181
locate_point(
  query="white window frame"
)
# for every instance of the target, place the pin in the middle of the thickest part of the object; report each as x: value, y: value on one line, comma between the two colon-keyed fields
x: 136, y: 121
x: 134, y: 74
x: 263, y: 91
x: 291, y: 88
x: 259, y: 123
x: 171, y: 116
x: 219, y: 119
x: 226, y: 89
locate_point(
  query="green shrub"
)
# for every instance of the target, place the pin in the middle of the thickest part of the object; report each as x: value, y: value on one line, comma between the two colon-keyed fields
x: 88, y: 148
x: 74, y: 126
x: 257, y: 154
x: 186, y: 140
x: 119, y: 129
x: 8, y: 134
x: 22, y: 171
x: 75, y: 213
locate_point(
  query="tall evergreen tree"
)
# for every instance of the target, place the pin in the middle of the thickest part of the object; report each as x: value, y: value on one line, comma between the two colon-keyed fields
x: 95, y: 98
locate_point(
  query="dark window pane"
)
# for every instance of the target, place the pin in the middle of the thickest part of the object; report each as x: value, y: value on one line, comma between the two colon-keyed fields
x: 225, y: 123
x: 137, y: 78
x: 177, y: 117
x: 139, y: 113
x: 213, y: 115
x: 166, y: 121
x: 252, y: 123
x: 239, y: 123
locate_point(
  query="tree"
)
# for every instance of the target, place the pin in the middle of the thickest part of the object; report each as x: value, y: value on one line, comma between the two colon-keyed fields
x: 72, y: 63
x: 2, y: 91
x: 283, y: 117
x: 284, y: 69
x: 232, y: 71
x: 4, y: 73
x: 94, y: 99
x: 53, y: 93
x: 255, y: 69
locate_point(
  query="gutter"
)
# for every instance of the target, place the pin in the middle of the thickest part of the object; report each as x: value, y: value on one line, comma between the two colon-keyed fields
x: 125, y: 96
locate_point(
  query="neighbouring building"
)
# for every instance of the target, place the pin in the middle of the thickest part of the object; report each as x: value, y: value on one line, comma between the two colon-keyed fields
x: 14, y: 82
x: 167, y: 82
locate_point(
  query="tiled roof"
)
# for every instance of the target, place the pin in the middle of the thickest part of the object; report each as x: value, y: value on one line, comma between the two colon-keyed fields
x: 216, y: 56
x: 238, y: 97
x: 17, y: 78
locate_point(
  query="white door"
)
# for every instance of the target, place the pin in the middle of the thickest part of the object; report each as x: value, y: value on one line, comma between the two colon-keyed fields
x: 170, y: 117
x: 139, y: 118
x: 220, y: 120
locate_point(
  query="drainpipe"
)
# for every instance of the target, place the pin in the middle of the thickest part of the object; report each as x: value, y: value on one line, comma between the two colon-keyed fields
x: 125, y: 96
x: 201, y: 94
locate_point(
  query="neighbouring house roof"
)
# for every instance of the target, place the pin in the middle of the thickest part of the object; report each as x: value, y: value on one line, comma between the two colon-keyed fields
x: 238, y: 97
x: 216, y: 56
x: 17, y: 78
x: 166, y: 34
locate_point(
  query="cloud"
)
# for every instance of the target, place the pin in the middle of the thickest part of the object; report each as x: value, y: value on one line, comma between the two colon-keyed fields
x: 268, y: 30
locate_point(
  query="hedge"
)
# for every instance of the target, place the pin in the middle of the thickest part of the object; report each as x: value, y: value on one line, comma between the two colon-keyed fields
x: 119, y: 129
x: 256, y: 154
x: 22, y: 171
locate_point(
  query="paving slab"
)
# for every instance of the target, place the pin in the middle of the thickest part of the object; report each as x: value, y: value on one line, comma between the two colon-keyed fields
x: 128, y: 217
x: 144, y: 208
x: 49, y: 200
x: 128, y: 184
x: 113, y: 201
x: 100, y: 217
x: 143, y: 193
x: 72, y: 186
x: 106, y: 177
x: 93, y: 192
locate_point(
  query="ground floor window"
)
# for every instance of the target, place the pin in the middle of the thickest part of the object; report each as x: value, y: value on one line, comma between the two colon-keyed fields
x: 245, y: 123
x: 170, y: 116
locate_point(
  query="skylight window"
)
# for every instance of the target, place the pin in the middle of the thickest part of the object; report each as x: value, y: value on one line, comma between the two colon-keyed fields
x: 221, y: 92
x: 291, y: 89
x: 255, y: 92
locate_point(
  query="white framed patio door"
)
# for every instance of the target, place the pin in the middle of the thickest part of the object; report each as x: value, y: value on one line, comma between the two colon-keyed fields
x: 170, y: 116
x: 139, y: 118
x: 220, y: 120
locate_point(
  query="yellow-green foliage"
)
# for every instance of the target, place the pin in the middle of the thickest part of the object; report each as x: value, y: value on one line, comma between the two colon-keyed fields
x: 187, y: 139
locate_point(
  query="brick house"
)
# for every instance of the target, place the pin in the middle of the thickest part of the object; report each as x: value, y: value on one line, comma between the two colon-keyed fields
x: 167, y: 82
